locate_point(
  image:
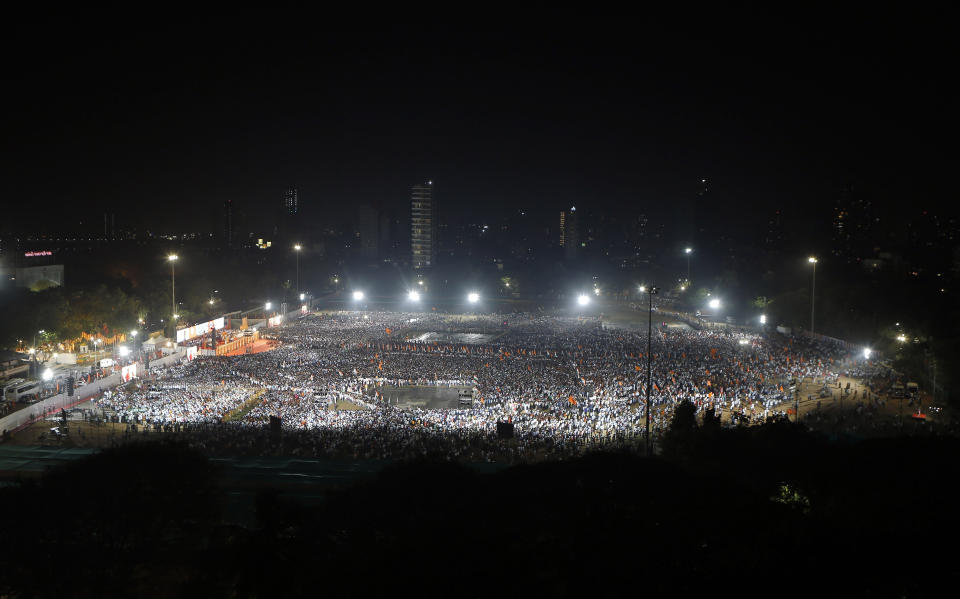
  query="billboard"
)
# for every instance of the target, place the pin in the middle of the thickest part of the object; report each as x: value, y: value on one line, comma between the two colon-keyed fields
x: 275, y: 321
x: 191, y: 353
x: 128, y: 372
x: 106, y: 362
x: 199, y: 329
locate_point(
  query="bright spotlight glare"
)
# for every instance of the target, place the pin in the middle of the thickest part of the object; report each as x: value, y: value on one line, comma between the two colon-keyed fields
x: 268, y: 305
x: 583, y: 299
x: 47, y: 374
x: 473, y: 297
x: 743, y: 341
x: 866, y: 352
x: 413, y: 296
x: 714, y: 303
x: 643, y: 289
x: 124, y: 351
x: 596, y: 291
x: 763, y: 319
x: 302, y: 295
x: 358, y: 295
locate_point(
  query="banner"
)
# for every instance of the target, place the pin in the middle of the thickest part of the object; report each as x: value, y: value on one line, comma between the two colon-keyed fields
x: 128, y: 372
x: 275, y: 321
x: 199, y: 329
x: 191, y: 353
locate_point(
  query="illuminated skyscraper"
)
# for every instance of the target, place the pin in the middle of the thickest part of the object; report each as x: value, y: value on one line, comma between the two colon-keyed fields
x: 423, y: 226
x: 291, y: 201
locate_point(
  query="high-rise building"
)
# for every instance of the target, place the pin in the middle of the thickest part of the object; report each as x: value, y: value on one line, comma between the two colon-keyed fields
x: 368, y: 222
x: 570, y: 233
x: 423, y: 226
x: 228, y: 223
x: 291, y: 201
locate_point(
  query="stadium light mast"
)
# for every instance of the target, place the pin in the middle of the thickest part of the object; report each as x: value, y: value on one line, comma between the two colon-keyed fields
x: 650, y: 293
x: 296, y: 250
x: 688, y: 251
x: 172, y: 258
x: 813, y: 290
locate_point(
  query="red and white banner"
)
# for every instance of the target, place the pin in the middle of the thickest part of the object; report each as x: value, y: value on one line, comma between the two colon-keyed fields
x: 191, y: 353
x: 199, y: 329
x: 128, y: 372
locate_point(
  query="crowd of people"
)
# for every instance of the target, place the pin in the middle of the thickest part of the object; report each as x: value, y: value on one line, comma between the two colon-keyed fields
x: 565, y: 384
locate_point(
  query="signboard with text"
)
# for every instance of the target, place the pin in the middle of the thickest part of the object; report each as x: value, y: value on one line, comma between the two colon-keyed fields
x: 199, y: 329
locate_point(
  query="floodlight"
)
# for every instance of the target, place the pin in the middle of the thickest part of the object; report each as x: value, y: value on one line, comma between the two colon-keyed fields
x: 866, y: 352
x: 583, y: 299
x: 763, y: 319
x: 473, y: 297
x: 124, y: 351
x: 714, y: 303
x: 357, y: 295
x: 268, y: 305
x: 47, y: 374
x: 413, y: 296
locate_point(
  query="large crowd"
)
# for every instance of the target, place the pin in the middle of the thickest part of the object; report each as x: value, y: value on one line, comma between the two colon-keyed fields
x: 565, y: 384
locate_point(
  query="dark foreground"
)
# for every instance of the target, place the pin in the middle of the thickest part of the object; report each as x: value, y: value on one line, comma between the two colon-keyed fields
x: 766, y: 511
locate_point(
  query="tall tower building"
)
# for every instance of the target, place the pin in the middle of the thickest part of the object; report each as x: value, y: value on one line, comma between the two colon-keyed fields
x: 368, y: 221
x: 228, y: 224
x: 291, y: 202
x: 570, y: 233
x: 423, y: 226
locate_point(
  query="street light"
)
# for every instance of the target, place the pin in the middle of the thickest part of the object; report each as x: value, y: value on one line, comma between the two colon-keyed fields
x: 124, y: 351
x: 651, y: 293
x: 643, y: 289
x: 763, y: 319
x: 267, y: 306
x: 297, y: 249
x: 813, y: 290
x: 302, y: 295
x: 172, y: 258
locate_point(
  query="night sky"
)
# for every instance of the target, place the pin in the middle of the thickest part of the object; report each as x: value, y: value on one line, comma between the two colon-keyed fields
x: 163, y: 125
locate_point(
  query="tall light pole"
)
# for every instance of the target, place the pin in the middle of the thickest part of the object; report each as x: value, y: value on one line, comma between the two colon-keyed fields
x: 813, y: 290
x: 650, y: 293
x: 688, y: 251
x: 297, y: 249
x: 172, y: 258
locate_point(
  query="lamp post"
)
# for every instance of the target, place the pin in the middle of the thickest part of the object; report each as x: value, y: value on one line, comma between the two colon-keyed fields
x: 172, y: 258
x: 297, y: 249
x: 813, y: 290
x: 650, y: 293
x: 688, y: 251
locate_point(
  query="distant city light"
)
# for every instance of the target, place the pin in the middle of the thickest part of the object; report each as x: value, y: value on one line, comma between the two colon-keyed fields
x: 357, y: 295
x: 413, y: 296
x: 473, y: 297
x: 583, y: 299
x: 714, y: 304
